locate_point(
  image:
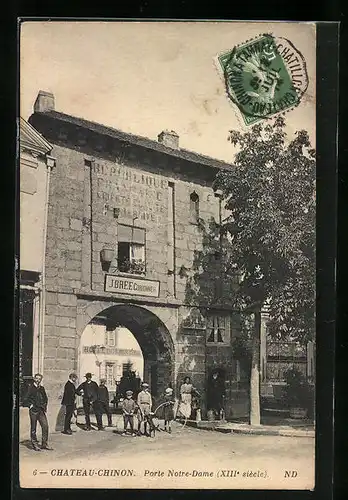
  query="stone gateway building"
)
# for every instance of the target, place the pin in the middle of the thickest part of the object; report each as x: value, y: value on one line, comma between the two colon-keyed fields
x: 123, y: 229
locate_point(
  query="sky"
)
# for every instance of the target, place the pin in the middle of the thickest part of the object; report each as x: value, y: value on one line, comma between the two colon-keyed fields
x: 142, y: 77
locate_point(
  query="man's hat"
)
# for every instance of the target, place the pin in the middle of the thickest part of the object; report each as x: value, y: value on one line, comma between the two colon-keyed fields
x: 145, y: 384
x: 169, y: 391
x: 129, y: 393
x: 88, y: 375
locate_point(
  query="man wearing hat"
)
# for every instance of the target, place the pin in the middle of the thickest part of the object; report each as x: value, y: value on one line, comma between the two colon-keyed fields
x: 89, y: 392
x: 145, y: 404
x: 68, y: 401
x: 128, y: 407
x: 104, y: 401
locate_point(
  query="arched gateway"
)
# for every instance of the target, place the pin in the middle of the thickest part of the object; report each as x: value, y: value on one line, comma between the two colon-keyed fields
x: 148, y: 329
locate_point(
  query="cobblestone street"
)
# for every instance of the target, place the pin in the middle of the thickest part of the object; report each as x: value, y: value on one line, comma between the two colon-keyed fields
x: 187, y: 458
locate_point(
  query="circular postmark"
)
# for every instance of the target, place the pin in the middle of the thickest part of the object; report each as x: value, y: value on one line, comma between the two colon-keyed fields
x: 264, y: 77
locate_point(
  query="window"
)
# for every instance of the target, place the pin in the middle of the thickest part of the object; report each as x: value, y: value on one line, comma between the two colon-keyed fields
x: 109, y: 374
x: 194, y: 207
x: 127, y: 368
x: 216, y: 330
x: 131, y: 249
x: 110, y: 338
x: 283, y: 355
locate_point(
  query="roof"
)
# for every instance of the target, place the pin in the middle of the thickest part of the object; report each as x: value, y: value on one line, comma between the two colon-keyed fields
x: 136, y: 140
x: 31, y: 139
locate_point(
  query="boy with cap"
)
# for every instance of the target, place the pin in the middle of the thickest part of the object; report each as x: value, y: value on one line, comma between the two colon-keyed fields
x: 145, y: 404
x: 128, y: 408
x: 168, y: 411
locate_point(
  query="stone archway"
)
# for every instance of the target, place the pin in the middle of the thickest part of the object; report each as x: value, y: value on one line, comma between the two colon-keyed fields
x: 150, y: 332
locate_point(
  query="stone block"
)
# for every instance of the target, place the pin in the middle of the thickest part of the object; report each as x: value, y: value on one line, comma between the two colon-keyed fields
x: 74, y: 265
x: 67, y: 311
x: 51, y: 272
x: 73, y: 245
x: 75, y: 284
x: 106, y: 238
x: 97, y: 246
x: 65, y: 331
x: 67, y: 342
x: 50, y: 341
x: 65, y: 353
x: 50, y: 352
x: 67, y: 299
x: 72, y: 255
x: 50, y: 320
x: 65, y: 321
x: 69, y: 274
x: 58, y: 364
x: 112, y: 229
x: 51, y: 298
x: 98, y: 286
x: 51, y: 262
x: 63, y: 222
x: 51, y: 309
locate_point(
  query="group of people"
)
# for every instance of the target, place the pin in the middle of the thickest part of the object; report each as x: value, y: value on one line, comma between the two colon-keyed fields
x: 96, y: 397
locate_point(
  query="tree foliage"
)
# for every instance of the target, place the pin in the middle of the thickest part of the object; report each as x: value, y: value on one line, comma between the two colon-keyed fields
x: 270, y: 198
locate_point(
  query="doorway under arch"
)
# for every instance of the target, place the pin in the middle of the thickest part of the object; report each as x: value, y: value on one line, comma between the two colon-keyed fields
x: 153, y: 359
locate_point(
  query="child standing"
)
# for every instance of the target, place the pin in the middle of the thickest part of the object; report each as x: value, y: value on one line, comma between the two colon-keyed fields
x: 145, y: 404
x: 128, y: 408
x: 168, y: 411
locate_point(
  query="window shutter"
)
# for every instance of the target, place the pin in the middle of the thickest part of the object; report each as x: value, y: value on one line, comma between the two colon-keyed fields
x: 138, y: 236
x: 129, y: 234
x: 124, y: 233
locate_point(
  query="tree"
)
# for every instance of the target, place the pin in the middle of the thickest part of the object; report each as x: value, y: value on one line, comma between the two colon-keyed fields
x: 270, y: 198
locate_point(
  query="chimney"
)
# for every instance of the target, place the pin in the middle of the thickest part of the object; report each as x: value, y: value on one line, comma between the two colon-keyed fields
x: 169, y: 138
x: 44, y: 102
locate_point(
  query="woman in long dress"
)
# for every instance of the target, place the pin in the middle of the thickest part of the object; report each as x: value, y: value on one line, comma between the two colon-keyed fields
x: 185, y: 405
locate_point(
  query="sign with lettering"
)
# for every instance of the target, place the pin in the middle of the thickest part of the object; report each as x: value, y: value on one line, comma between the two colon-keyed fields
x: 101, y: 349
x: 131, y: 286
x: 136, y: 194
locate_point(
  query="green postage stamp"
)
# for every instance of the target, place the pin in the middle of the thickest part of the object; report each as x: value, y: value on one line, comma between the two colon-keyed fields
x: 263, y: 77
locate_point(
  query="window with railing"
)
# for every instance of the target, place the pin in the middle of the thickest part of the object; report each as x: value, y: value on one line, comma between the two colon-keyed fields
x: 131, y: 249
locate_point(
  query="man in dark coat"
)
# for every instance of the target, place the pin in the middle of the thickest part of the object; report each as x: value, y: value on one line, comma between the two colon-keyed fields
x: 68, y: 400
x: 104, y: 404
x: 36, y: 399
x: 89, y: 392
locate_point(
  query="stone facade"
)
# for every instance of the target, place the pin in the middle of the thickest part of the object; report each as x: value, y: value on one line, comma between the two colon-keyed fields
x: 106, y: 182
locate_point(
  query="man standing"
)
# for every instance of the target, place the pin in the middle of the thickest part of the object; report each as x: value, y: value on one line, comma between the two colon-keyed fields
x: 36, y: 399
x: 69, y: 401
x: 104, y: 404
x: 89, y: 392
x: 216, y: 392
x: 144, y: 401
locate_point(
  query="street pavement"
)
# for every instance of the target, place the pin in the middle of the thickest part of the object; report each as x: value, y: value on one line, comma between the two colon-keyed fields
x: 187, y: 458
